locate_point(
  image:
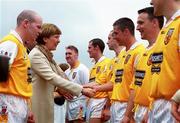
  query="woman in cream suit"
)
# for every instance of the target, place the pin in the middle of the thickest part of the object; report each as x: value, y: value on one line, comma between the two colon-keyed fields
x: 46, y: 74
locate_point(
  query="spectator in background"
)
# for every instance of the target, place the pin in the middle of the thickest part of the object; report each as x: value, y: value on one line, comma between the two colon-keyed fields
x: 60, y: 107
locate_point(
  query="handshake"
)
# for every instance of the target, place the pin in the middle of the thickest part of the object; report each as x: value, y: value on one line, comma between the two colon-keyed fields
x: 60, y: 95
x: 88, y: 91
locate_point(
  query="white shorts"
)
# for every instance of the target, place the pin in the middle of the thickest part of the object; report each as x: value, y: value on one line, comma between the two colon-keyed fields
x: 76, y: 109
x: 117, y: 111
x: 95, y: 107
x: 13, y: 109
x: 139, y: 113
x: 59, y: 113
x: 161, y: 112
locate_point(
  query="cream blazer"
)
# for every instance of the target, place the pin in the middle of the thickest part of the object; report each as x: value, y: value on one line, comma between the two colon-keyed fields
x: 45, y: 78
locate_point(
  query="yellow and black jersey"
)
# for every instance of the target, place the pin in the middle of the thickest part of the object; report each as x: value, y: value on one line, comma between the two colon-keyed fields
x: 98, y: 74
x: 142, y: 78
x: 165, y: 59
x: 123, y: 73
x: 19, y: 80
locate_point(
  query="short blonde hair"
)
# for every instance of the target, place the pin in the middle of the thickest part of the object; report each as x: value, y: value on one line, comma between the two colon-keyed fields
x: 47, y: 31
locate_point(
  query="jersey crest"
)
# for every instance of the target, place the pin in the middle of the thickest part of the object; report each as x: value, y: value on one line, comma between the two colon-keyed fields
x: 98, y: 69
x: 168, y: 36
x: 149, y: 62
x: 74, y: 75
x: 127, y: 59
